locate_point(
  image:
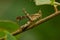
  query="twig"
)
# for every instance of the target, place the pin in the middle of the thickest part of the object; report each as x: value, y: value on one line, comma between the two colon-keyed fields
x: 40, y: 21
x: 44, y: 19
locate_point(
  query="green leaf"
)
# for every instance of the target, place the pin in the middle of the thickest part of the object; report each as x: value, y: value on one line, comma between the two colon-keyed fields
x: 8, y: 25
x: 2, y: 34
x: 9, y: 36
x: 52, y: 2
x: 42, y: 2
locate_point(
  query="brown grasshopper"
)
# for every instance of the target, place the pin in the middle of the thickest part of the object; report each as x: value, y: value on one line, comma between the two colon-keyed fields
x: 31, y: 18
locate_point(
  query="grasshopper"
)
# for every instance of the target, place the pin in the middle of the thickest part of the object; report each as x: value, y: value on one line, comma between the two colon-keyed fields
x: 31, y: 18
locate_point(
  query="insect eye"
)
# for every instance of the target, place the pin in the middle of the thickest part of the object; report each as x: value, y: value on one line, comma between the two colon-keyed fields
x: 18, y: 18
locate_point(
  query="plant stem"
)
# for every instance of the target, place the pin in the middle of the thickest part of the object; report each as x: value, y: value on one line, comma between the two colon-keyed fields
x: 40, y: 21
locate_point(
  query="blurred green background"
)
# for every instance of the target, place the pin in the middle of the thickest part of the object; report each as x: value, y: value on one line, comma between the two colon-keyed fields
x: 50, y: 30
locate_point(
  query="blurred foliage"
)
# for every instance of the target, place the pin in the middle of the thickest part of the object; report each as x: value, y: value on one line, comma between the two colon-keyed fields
x: 10, y: 9
x: 9, y: 36
x: 2, y: 34
x: 43, y: 2
x: 7, y: 25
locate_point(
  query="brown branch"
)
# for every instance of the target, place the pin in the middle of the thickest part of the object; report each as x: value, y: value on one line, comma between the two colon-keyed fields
x: 40, y: 21
x: 44, y: 19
